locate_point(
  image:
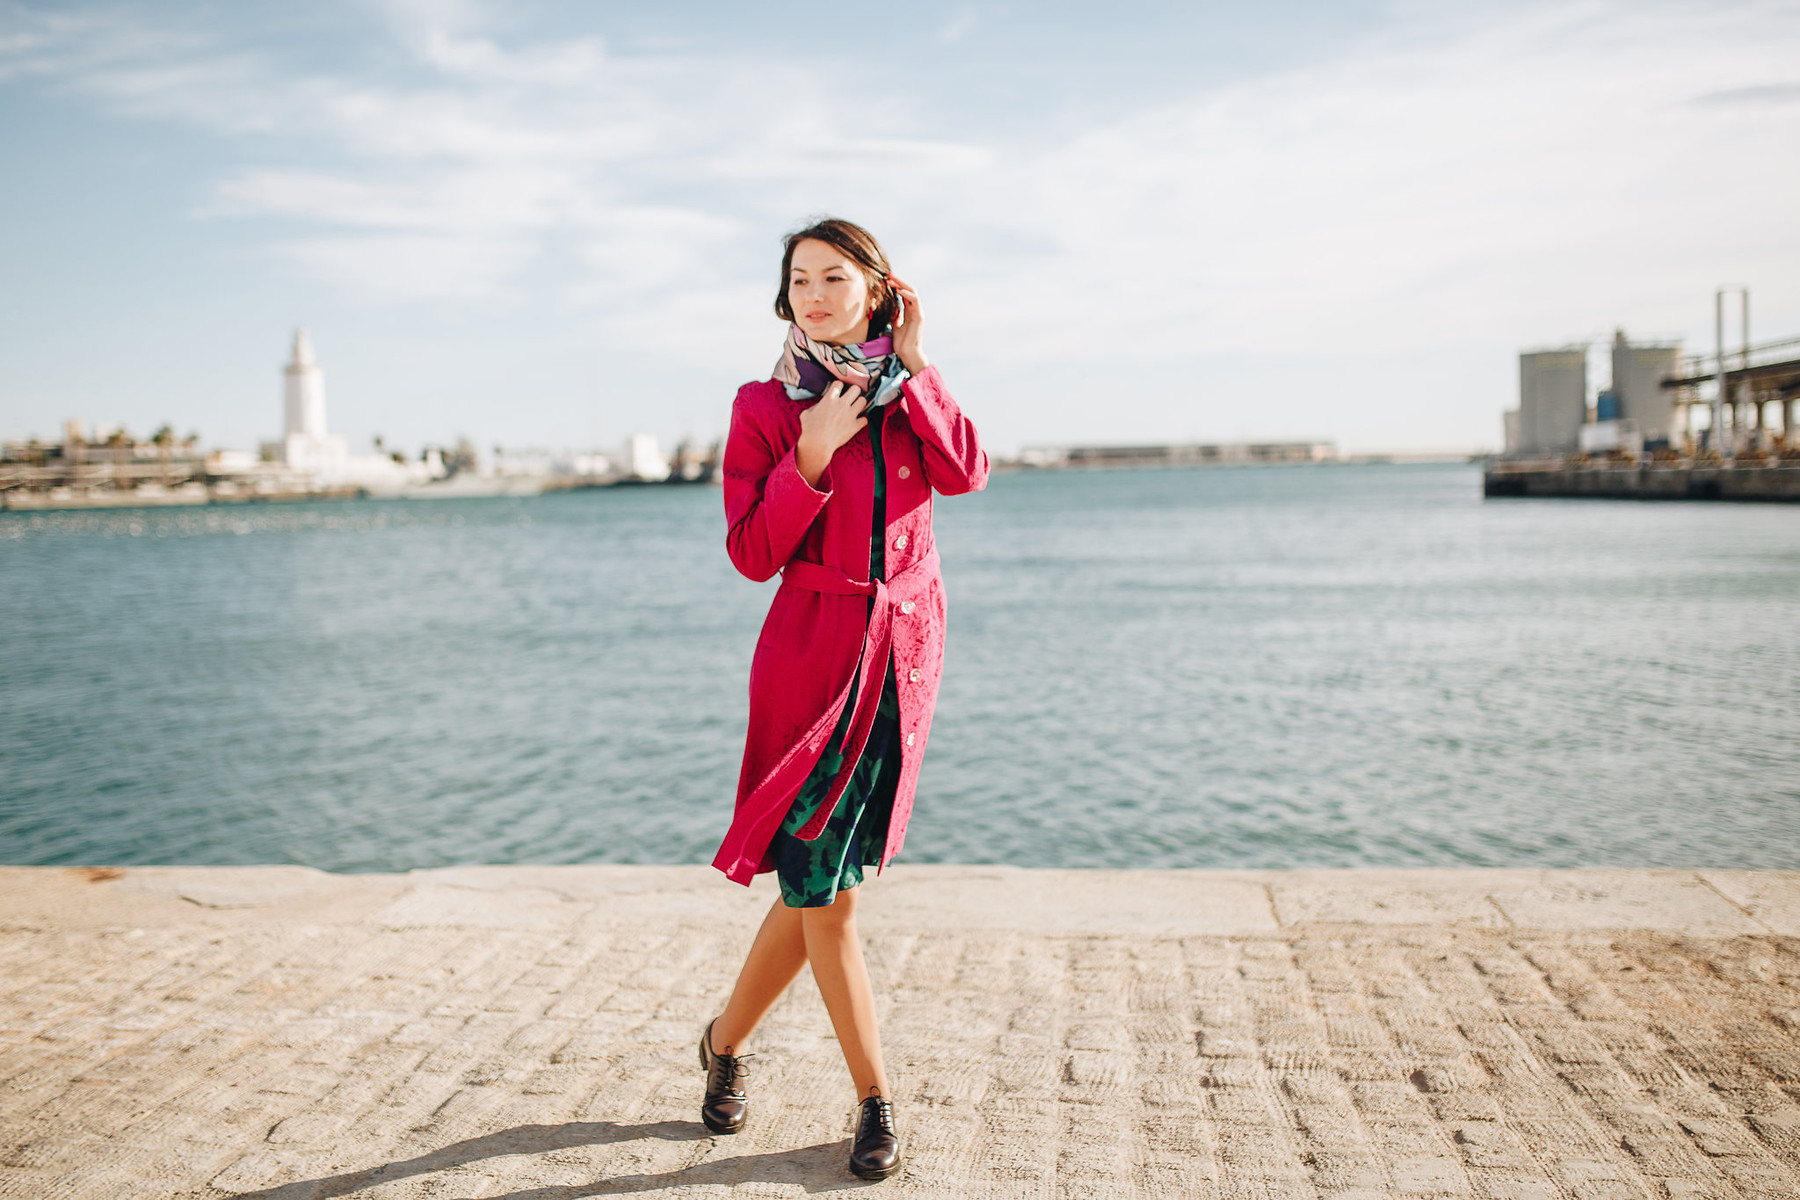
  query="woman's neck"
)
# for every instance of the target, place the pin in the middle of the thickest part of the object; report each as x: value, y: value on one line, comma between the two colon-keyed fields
x: 855, y: 337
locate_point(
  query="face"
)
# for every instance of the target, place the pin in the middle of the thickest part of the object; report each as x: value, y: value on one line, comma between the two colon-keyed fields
x: 828, y: 294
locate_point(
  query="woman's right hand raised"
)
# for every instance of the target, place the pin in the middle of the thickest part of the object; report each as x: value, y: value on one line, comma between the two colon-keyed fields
x: 826, y: 425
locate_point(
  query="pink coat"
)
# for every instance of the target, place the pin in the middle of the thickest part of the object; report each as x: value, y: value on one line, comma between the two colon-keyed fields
x: 819, y: 627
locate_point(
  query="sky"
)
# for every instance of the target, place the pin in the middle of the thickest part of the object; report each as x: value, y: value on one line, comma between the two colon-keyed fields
x: 553, y: 225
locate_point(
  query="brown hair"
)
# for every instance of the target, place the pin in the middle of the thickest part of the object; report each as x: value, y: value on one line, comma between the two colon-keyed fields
x: 863, y: 250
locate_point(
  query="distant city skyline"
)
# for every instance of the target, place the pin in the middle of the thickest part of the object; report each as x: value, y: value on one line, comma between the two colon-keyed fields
x: 552, y: 225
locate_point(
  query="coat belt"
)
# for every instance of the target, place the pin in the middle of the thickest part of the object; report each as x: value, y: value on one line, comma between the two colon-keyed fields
x: 871, y: 671
x: 817, y: 577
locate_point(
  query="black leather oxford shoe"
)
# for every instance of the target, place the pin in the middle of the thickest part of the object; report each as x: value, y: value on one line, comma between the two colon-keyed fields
x: 726, y: 1105
x: 876, y: 1152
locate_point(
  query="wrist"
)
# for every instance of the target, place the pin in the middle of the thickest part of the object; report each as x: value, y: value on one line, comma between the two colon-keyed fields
x: 915, y: 363
x: 809, y: 461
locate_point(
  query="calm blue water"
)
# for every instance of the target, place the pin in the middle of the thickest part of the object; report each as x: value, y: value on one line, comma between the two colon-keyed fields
x: 1258, y: 667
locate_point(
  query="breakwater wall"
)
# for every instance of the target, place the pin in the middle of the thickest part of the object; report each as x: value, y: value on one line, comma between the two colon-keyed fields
x: 1629, y: 481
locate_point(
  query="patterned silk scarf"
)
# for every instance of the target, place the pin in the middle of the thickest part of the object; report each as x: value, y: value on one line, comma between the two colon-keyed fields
x: 807, y: 367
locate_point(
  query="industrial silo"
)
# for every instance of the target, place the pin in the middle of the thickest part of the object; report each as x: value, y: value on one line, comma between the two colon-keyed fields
x: 1552, y: 400
x: 1637, y: 376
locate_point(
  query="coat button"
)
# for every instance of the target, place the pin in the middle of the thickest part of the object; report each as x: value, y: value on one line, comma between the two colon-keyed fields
x: 900, y: 542
x: 905, y: 472
x: 906, y: 606
x: 909, y: 739
x: 913, y: 676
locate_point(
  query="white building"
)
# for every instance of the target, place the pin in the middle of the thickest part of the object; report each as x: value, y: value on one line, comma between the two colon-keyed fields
x: 305, y: 445
x: 1552, y: 400
x: 641, y: 459
x: 1637, y: 375
x: 309, y: 450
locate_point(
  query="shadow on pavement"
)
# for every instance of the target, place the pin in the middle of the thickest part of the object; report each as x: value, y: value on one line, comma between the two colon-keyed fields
x: 816, y: 1168
x: 524, y: 1139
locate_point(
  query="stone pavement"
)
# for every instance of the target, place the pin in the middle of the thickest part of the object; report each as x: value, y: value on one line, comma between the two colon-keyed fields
x: 528, y: 1033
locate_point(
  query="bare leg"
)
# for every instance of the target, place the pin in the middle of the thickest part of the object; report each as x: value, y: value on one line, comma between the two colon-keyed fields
x: 833, y: 948
x: 775, y: 957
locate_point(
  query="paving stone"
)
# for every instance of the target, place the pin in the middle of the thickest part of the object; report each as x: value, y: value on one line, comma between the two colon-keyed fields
x: 528, y: 1033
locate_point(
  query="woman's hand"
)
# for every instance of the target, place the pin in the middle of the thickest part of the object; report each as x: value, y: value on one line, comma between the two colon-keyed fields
x: 826, y: 425
x: 909, y: 333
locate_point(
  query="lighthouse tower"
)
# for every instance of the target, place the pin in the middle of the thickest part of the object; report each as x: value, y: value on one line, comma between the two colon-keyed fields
x: 305, y: 390
x: 305, y: 446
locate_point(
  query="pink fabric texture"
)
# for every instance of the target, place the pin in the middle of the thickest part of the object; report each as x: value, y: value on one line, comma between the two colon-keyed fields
x: 819, y: 629
x: 850, y: 365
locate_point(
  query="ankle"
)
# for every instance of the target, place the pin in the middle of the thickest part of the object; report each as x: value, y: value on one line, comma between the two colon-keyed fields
x: 716, y: 1043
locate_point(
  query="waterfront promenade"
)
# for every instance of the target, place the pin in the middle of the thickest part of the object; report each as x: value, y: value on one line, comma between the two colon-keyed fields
x: 528, y: 1033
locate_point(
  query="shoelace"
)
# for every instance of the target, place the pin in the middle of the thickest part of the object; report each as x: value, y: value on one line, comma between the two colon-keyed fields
x: 881, y: 1114
x: 727, y: 1070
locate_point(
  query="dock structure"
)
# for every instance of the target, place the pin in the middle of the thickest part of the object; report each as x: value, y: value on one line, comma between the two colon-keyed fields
x: 1756, y: 429
x: 278, y: 1033
x: 1764, y: 379
x: 1644, y: 479
x: 1639, y: 440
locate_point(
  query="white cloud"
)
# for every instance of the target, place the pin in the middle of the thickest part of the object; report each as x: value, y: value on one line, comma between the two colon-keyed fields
x: 1428, y: 190
x: 467, y: 200
x: 418, y: 268
x: 445, y: 187
x: 1501, y: 175
x: 1760, y: 94
x: 958, y: 27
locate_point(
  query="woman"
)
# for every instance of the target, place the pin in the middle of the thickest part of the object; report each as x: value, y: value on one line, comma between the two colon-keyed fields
x: 829, y: 470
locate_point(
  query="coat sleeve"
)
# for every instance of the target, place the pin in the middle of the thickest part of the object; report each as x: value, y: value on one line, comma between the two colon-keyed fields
x: 953, y: 458
x: 768, y: 505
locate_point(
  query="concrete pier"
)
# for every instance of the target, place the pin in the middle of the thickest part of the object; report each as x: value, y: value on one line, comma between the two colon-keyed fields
x: 529, y: 1033
x: 1645, y: 481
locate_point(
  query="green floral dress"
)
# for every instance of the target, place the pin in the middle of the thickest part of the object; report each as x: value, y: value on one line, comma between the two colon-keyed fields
x: 812, y: 873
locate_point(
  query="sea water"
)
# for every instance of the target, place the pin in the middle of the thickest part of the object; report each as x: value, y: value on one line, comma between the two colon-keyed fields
x: 1332, y: 665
